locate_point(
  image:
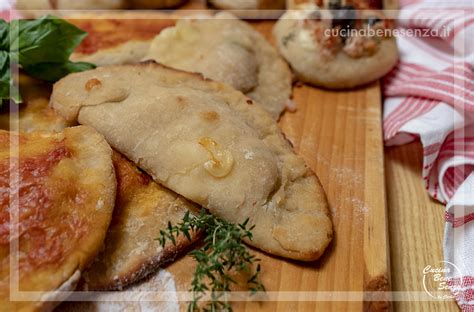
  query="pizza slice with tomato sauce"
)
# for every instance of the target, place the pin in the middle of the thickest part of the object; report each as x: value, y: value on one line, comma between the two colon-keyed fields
x: 58, y: 194
x: 118, y: 38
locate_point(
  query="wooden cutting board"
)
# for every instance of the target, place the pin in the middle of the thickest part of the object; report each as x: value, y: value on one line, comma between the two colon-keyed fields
x: 339, y: 135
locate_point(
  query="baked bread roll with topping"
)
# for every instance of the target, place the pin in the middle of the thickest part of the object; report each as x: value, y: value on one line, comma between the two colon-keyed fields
x: 209, y: 143
x: 226, y: 49
x: 63, y: 198
x: 338, y: 48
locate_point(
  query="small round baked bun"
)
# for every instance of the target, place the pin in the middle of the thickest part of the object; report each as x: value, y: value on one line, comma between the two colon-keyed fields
x: 338, y: 48
x: 155, y: 4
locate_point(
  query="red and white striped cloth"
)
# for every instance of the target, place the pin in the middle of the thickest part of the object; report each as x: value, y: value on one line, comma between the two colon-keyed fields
x: 430, y: 96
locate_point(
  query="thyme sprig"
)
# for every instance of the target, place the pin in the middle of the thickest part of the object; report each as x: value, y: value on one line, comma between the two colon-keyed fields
x: 222, y: 254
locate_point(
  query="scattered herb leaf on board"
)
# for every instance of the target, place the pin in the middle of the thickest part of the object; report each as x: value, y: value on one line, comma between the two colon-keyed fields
x: 41, y: 48
x: 223, y: 252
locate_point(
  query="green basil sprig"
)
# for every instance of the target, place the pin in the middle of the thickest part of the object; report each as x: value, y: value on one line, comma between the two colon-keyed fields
x: 41, y: 48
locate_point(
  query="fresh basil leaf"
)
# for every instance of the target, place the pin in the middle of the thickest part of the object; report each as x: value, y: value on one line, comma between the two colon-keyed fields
x: 4, y: 36
x: 53, y: 71
x: 46, y: 40
x: 7, y: 88
x: 4, y: 61
x: 4, y: 75
x: 41, y: 47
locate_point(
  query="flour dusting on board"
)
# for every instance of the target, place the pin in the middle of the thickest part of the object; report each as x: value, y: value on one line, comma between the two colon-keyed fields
x: 345, y: 178
x: 141, y: 297
x: 360, y: 208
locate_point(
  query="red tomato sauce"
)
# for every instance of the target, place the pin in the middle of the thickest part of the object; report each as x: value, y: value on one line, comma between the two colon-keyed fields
x: 108, y: 33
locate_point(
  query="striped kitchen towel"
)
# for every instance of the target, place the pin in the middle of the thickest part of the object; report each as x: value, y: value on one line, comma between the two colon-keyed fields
x: 430, y: 96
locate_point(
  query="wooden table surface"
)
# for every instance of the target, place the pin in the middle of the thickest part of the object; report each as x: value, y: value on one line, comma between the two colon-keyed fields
x: 416, y: 225
x: 416, y: 222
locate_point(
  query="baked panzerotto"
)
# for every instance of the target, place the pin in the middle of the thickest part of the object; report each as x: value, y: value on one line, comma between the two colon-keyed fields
x: 208, y: 142
x: 226, y: 49
x: 56, y: 205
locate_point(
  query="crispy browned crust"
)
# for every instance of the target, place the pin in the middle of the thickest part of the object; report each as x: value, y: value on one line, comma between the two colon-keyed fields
x: 73, y: 178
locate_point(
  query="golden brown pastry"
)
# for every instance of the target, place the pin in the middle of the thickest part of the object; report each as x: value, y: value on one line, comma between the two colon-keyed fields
x: 63, y: 199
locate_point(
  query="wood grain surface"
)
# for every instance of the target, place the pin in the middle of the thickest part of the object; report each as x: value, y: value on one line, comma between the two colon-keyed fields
x: 416, y: 226
x: 416, y: 222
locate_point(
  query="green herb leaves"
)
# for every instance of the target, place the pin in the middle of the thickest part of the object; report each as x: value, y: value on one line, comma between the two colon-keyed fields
x: 54, y: 71
x: 4, y: 63
x: 48, y: 39
x: 40, y: 47
x: 4, y: 76
x: 223, y: 254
